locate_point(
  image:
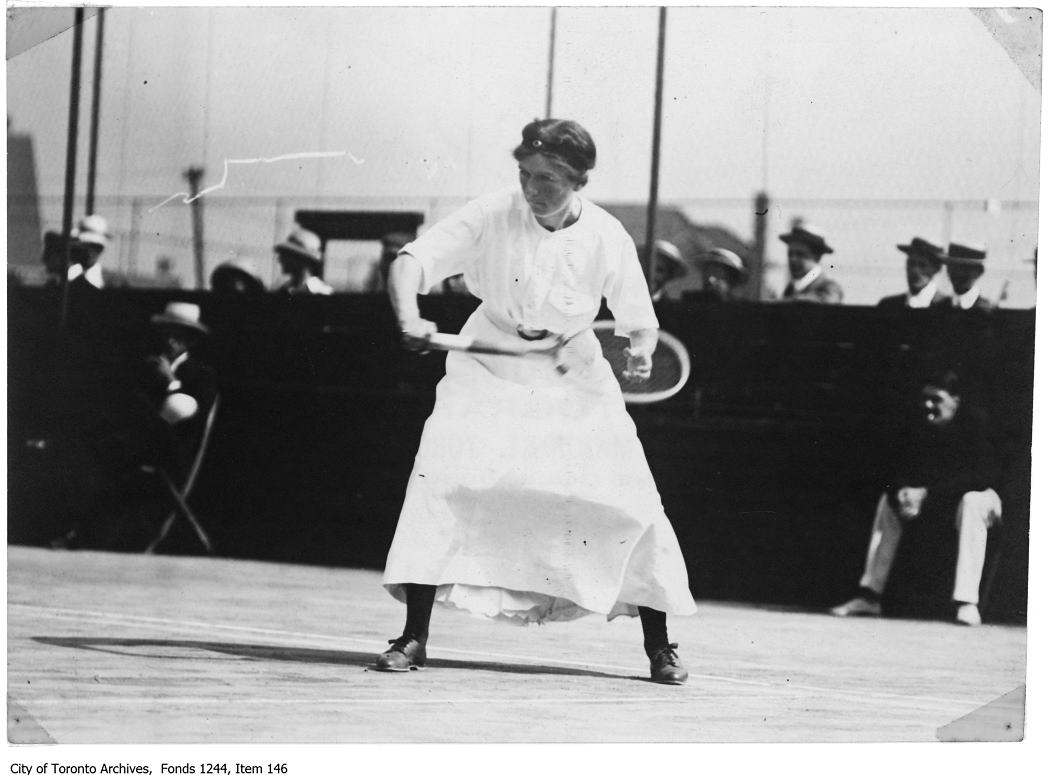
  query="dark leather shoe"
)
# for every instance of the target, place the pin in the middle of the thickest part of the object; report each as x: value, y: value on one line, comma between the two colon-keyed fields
x: 665, y: 666
x: 404, y: 654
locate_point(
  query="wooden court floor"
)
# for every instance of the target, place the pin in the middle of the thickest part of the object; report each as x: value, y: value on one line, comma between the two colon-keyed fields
x: 118, y: 648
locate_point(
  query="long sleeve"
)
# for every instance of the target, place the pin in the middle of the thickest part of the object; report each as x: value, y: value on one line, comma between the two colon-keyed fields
x: 627, y: 292
x: 450, y: 246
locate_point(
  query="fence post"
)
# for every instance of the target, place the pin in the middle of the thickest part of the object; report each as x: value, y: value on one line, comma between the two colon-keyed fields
x: 71, y: 162
x: 756, y: 280
x: 133, y: 237
x: 948, y: 214
x: 194, y: 175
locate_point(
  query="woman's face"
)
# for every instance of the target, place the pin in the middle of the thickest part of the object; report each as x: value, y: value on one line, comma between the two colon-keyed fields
x: 546, y: 187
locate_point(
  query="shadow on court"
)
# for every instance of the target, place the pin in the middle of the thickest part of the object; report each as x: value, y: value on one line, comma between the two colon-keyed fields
x: 163, y: 648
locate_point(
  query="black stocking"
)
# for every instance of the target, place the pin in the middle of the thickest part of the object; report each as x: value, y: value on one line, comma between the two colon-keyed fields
x: 654, y: 628
x: 419, y: 601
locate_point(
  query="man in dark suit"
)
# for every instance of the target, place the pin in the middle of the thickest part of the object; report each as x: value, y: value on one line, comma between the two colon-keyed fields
x: 177, y: 388
x: 947, y: 469
x: 805, y: 247
x: 301, y: 259
x: 156, y: 422
x: 965, y: 267
x: 923, y: 264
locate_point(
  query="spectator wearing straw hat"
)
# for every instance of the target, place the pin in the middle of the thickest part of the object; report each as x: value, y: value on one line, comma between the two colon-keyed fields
x: 177, y: 386
x: 89, y: 240
x: 965, y: 267
x: 722, y: 271
x: 805, y: 247
x: 157, y: 422
x: 238, y: 276
x: 668, y: 265
x: 922, y: 265
x: 300, y: 258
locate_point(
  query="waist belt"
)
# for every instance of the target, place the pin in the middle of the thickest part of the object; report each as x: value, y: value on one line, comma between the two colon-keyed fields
x: 528, y: 334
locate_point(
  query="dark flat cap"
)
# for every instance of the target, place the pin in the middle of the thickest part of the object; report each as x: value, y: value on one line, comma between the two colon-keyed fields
x: 966, y: 254
x: 807, y: 235
x: 920, y: 247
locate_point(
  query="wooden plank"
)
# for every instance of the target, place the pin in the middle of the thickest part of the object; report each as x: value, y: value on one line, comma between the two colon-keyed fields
x: 107, y: 648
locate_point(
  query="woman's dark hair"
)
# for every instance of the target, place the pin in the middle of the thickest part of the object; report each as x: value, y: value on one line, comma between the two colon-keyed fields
x: 561, y: 140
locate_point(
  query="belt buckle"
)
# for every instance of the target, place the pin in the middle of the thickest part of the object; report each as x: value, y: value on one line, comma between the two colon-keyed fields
x: 532, y: 335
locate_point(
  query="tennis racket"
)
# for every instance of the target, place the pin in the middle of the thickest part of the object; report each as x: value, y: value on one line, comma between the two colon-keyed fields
x: 671, y: 363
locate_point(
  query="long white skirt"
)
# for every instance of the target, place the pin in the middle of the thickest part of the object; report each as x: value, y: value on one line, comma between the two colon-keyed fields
x: 531, y: 499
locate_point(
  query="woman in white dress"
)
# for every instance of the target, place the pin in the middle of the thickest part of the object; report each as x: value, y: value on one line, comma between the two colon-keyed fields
x: 531, y: 499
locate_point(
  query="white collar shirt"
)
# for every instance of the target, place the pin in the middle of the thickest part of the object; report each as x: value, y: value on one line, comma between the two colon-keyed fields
x: 923, y: 298
x: 968, y: 299
x: 806, y: 280
x: 318, y: 286
x: 180, y: 359
x: 93, y: 275
x: 311, y: 286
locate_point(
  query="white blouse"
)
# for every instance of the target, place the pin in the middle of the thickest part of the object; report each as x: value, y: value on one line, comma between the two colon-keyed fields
x: 535, y: 278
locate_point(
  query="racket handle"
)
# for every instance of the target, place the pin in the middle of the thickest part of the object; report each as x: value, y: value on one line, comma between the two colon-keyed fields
x: 450, y: 341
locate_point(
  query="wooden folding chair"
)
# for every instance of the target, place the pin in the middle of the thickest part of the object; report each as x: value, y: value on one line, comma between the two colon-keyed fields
x: 179, y: 495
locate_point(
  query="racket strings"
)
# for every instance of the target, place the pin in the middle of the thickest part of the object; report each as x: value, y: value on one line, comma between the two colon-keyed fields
x: 668, y: 373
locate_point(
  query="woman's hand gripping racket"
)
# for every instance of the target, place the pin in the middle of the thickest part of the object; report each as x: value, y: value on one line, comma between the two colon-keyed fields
x: 669, y: 371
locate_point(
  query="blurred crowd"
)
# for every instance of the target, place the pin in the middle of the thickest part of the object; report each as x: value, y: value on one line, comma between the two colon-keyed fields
x: 934, y: 275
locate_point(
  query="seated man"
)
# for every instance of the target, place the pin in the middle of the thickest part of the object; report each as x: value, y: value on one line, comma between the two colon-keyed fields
x: 177, y: 388
x: 965, y: 267
x: 947, y: 470
x: 922, y: 265
x: 722, y: 271
x: 157, y: 423
x: 805, y: 247
x: 300, y: 259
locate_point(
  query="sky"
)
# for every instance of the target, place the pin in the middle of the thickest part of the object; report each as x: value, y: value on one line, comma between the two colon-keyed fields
x: 425, y: 105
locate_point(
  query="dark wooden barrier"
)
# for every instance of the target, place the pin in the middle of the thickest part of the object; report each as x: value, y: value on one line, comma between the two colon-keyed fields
x: 769, y: 462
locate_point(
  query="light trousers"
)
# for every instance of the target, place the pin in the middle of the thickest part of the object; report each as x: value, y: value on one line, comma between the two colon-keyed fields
x: 976, y: 512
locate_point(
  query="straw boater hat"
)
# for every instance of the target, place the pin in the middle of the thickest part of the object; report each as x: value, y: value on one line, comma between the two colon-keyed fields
x: 238, y: 269
x: 181, y: 314
x: 92, y: 230
x: 970, y: 255
x: 807, y: 234
x: 920, y: 247
x: 674, y: 256
x: 726, y: 258
x: 301, y: 243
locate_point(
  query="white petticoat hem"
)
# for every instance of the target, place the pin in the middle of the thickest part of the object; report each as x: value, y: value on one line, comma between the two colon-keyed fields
x: 513, y: 606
